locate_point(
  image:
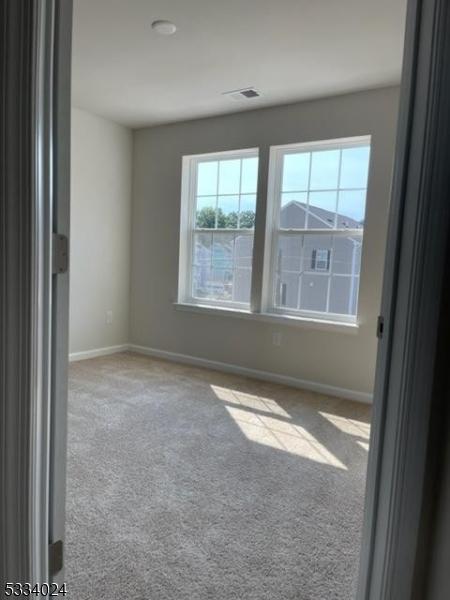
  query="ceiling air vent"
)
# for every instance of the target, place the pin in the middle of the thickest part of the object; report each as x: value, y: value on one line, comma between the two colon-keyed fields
x: 244, y: 94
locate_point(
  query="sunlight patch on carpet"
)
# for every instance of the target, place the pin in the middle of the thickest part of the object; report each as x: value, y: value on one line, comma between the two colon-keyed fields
x: 353, y: 427
x: 249, y: 400
x: 282, y: 435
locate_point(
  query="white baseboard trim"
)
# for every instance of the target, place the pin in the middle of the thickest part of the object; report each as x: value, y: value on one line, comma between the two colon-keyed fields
x: 74, y: 356
x: 304, y: 384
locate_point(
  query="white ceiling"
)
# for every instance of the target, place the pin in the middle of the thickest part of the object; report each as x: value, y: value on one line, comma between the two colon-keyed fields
x: 288, y: 49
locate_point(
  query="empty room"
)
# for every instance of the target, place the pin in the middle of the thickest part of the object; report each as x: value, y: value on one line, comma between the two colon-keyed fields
x: 231, y: 172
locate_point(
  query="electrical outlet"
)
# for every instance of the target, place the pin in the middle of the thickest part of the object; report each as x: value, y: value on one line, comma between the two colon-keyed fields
x: 276, y: 338
x: 109, y: 317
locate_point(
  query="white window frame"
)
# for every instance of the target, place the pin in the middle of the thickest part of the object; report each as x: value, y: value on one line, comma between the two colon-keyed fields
x: 188, y: 229
x: 273, y: 230
x: 317, y: 260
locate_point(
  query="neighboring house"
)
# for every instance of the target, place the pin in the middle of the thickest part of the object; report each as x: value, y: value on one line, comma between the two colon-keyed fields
x: 318, y: 272
x: 315, y: 272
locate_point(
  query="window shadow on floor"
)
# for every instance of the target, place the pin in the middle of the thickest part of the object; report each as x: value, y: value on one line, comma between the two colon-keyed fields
x: 184, y: 483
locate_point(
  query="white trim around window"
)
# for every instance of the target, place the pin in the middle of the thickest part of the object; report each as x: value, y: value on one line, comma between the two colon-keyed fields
x: 332, y: 225
x: 189, y: 228
x: 274, y: 229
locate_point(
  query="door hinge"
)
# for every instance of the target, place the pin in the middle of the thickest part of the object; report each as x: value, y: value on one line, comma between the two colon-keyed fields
x: 55, y: 557
x: 380, y: 327
x: 60, y: 253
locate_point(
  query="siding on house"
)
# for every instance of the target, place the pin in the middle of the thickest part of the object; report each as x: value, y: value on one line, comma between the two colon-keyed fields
x: 314, y: 272
x: 317, y: 272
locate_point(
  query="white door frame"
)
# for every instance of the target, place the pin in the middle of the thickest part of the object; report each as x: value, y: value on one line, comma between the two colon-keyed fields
x: 414, y: 280
x: 60, y: 283
x: 34, y: 175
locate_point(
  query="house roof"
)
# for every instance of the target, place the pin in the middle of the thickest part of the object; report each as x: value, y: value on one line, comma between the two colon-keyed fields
x: 325, y: 215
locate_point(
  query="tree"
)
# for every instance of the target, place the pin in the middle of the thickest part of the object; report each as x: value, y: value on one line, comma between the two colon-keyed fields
x: 231, y: 220
x: 247, y: 219
x: 206, y: 219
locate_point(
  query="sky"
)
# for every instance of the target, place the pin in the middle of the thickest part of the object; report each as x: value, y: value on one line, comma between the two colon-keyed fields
x: 332, y: 177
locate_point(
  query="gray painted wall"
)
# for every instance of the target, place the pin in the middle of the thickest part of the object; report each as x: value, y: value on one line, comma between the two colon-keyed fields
x: 100, y: 232
x: 333, y: 358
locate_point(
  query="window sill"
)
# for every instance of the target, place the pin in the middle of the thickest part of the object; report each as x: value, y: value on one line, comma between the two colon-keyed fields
x: 302, y: 322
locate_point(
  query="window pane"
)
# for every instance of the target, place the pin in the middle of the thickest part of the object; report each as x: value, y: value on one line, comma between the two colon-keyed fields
x: 224, y: 199
x: 315, y: 246
x: 313, y: 293
x: 324, y: 170
x: 347, y: 255
x: 247, y: 211
x: 322, y: 205
x: 354, y: 295
x: 247, y: 219
x: 229, y: 176
x: 222, y: 250
x: 295, y: 172
x: 221, y: 284
x: 297, y: 197
x: 242, y: 285
x: 309, y: 269
x: 342, y: 295
x: 289, y: 253
x: 355, y: 167
x: 206, y: 212
x: 222, y: 267
x: 321, y: 260
x: 248, y: 202
x: 207, y: 178
x: 320, y: 189
x: 202, y: 249
x: 286, y: 295
x: 303, y: 268
x: 243, y: 251
x: 351, y: 209
x: 201, y: 268
x: 227, y: 212
x: 293, y: 210
x: 249, y: 179
x: 322, y: 210
x: 201, y: 276
x: 228, y: 204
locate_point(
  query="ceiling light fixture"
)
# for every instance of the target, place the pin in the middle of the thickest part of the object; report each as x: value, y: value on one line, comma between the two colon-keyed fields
x: 164, y: 27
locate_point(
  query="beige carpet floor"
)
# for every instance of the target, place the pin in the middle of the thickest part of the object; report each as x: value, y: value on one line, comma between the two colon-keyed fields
x: 188, y: 484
